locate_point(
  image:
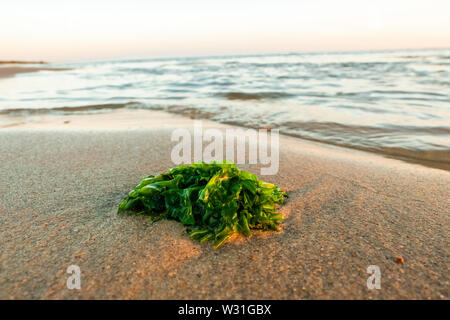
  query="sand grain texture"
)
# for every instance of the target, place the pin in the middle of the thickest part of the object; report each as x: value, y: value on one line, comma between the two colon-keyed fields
x: 61, y: 184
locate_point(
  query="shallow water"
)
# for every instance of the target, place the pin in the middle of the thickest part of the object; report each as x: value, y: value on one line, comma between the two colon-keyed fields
x: 393, y: 102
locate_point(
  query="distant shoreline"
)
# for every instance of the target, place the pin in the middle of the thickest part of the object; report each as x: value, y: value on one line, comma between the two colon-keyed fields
x: 21, y: 62
x: 6, y: 72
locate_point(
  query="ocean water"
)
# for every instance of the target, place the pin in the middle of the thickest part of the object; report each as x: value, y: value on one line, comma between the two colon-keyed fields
x: 391, y: 102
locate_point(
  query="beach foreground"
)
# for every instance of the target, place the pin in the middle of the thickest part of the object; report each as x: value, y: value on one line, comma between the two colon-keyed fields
x: 63, y: 177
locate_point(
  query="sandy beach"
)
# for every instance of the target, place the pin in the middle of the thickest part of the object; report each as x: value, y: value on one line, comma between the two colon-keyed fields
x: 62, y: 177
x: 6, y: 72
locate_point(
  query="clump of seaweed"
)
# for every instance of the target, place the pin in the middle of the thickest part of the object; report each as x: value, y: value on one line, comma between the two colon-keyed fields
x: 213, y: 200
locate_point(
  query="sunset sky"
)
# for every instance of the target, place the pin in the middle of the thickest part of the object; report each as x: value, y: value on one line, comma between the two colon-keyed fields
x: 59, y: 30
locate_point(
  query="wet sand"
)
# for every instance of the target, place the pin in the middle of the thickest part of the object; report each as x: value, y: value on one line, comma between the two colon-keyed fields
x: 62, y: 178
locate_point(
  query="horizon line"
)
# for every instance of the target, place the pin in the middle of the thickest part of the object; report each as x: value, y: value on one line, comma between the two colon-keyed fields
x: 171, y: 57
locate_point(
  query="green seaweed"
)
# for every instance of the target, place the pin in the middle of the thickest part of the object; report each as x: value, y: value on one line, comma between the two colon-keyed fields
x: 213, y: 200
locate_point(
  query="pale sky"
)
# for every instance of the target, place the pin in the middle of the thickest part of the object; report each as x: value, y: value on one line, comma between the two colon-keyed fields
x: 62, y: 30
